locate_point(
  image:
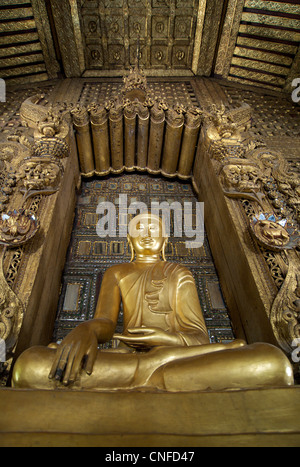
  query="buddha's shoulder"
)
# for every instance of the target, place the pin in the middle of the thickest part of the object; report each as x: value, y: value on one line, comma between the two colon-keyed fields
x: 119, y: 270
x: 177, y: 268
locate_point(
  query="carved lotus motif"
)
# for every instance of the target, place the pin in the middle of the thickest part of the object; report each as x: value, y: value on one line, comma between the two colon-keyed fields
x: 17, y: 227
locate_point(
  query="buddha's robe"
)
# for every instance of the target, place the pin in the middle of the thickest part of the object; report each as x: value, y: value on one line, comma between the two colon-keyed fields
x: 162, y: 295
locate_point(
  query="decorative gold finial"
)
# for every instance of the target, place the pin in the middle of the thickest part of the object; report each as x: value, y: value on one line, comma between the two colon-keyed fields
x: 135, y: 84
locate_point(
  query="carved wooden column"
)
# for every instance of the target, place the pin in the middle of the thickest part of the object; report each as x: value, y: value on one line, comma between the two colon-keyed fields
x: 189, y: 143
x: 116, y: 138
x: 100, y: 132
x: 157, y: 125
x: 81, y: 121
x: 130, y: 136
x: 142, y: 137
x: 172, y: 144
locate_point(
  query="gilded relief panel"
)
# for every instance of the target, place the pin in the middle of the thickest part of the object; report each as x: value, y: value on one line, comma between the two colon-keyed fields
x: 160, y: 27
x: 92, y: 26
x: 160, y: 3
x: 95, y: 56
x: 183, y: 27
x: 137, y: 26
x: 164, y: 29
x: 116, y: 55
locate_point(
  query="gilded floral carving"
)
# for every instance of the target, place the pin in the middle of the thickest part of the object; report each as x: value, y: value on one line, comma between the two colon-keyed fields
x: 40, y: 176
x: 17, y: 227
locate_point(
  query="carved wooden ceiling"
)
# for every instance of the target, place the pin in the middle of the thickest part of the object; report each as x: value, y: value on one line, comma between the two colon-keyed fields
x: 249, y: 41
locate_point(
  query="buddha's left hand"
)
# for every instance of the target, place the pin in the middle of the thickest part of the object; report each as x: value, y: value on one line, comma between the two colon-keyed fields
x: 149, y: 337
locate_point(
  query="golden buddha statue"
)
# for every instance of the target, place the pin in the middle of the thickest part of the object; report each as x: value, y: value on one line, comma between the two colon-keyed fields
x: 164, y: 345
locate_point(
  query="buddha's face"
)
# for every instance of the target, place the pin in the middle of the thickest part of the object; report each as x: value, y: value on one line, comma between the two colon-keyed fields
x: 146, y: 235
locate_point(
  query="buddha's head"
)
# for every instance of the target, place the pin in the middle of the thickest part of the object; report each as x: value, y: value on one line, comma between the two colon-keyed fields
x: 147, y: 236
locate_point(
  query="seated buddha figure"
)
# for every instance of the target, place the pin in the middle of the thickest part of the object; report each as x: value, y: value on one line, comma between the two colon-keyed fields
x: 164, y: 345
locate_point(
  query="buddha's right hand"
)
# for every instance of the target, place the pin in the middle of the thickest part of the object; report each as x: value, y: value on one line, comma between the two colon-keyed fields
x: 76, y: 352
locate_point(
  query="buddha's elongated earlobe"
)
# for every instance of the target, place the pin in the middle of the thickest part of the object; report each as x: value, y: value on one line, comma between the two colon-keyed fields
x: 131, y: 249
x: 163, y: 251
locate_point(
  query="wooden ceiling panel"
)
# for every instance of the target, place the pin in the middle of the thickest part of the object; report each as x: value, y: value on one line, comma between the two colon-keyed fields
x: 248, y: 41
x: 265, y: 47
x: 26, y: 49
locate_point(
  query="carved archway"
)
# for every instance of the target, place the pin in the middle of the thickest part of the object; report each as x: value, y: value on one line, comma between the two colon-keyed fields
x: 230, y: 172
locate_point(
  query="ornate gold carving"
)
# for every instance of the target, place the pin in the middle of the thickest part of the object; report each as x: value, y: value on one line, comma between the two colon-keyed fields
x: 41, y: 175
x: 7, y: 316
x: 47, y: 121
x: 17, y: 227
x: 50, y: 125
x: 32, y: 112
x: 135, y: 85
x: 248, y: 170
x: 274, y: 233
x: 242, y: 178
x: 285, y: 313
x: 41, y: 172
x: 30, y: 163
x: 228, y: 125
x: 8, y: 172
x: 51, y: 147
x: 98, y: 113
x: 11, y: 314
x: 80, y: 115
x: 13, y: 267
x: 281, y: 185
